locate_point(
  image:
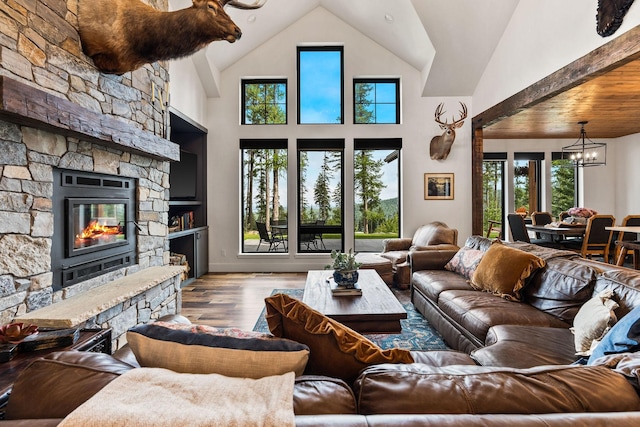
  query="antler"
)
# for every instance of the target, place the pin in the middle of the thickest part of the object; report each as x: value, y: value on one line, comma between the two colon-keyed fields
x: 440, y: 112
x: 463, y: 114
x: 238, y: 5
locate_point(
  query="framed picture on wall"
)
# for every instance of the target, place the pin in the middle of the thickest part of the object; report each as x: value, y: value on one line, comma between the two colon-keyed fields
x: 438, y: 186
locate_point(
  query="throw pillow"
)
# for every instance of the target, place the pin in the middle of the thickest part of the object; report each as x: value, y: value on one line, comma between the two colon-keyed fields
x: 623, y: 337
x: 503, y: 270
x: 336, y: 350
x: 465, y: 262
x: 199, y: 349
x: 593, y: 321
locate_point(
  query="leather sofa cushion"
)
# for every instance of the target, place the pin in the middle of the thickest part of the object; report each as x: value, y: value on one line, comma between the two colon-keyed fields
x: 319, y: 395
x: 478, y: 311
x: 442, y: 358
x: 561, y: 288
x: 57, y: 384
x: 431, y: 283
x: 511, y: 346
x: 465, y: 389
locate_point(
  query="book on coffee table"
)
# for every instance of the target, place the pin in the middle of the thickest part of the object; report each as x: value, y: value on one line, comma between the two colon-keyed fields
x: 337, y: 290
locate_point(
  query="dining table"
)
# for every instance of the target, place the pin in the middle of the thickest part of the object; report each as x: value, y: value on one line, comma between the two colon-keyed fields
x: 558, y: 231
x: 626, y: 245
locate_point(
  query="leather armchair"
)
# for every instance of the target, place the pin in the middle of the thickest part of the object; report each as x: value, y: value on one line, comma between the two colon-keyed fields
x: 435, y: 235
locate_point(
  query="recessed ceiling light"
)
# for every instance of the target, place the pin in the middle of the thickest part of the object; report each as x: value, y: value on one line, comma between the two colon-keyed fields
x: 388, y: 17
x: 251, y: 18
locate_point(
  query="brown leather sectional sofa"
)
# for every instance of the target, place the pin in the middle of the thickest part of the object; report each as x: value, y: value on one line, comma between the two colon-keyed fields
x: 445, y: 388
x: 535, y: 331
x: 518, y: 372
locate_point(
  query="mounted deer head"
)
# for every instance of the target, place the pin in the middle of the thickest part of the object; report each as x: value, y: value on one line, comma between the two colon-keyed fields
x: 441, y: 145
x: 122, y: 35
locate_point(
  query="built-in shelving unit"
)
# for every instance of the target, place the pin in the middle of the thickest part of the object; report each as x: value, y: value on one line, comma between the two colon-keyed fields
x: 188, y: 230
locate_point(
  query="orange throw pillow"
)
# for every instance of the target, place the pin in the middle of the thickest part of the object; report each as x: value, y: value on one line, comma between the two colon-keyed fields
x: 504, y: 269
x: 335, y: 350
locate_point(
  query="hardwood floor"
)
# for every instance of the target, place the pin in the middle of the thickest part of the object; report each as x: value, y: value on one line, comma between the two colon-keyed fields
x: 233, y: 299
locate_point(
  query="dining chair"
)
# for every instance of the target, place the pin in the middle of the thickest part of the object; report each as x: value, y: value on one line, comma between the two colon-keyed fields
x: 266, y: 237
x: 596, y: 239
x: 630, y: 221
x: 318, y: 236
x: 519, y: 232
x: 541, y: 218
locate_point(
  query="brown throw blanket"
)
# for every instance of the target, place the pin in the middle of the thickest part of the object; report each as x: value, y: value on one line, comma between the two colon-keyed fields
x: 160, y: 397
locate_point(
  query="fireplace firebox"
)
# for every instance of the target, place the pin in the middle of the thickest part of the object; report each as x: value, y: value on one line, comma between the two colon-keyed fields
x: 94, y: 225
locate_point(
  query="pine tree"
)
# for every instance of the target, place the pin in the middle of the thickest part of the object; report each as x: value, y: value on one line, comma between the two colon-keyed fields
x: 367, y: 185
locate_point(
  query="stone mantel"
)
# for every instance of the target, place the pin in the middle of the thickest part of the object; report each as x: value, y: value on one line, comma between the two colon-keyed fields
x: 33, y: 107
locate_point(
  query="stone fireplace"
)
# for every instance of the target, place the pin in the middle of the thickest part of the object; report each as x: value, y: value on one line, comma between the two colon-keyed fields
x: 60, y: 117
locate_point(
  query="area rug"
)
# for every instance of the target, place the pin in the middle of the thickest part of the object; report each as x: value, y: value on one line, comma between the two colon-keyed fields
x: 417, y: 333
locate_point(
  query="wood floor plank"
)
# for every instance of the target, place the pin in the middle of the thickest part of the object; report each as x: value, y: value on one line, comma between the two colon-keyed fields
x: 233, y: 299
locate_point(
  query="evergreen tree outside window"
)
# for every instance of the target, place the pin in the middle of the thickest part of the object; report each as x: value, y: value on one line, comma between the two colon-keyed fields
x: 493, y: 189
x: 376, y: 189
x: 564, y: 184
x: 320, y: 85
x: 376, y: 101
x: 264, y: 189
x: 320, y: 198
x: 264, y: 102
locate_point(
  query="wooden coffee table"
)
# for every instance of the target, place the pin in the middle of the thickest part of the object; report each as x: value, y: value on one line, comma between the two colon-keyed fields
x: 377, y: 310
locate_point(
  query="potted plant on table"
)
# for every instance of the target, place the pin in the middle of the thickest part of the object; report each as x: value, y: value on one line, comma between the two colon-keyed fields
x: 345, y: 268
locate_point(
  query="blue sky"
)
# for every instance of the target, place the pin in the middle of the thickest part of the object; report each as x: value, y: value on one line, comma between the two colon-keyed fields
x: 320, y: 89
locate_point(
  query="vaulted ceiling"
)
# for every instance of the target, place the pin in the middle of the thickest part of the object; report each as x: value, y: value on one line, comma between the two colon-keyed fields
x: 448, y: 42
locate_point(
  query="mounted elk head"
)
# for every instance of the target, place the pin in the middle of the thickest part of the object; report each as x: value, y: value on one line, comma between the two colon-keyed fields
x: 441, y: 145
x: 122, y: 35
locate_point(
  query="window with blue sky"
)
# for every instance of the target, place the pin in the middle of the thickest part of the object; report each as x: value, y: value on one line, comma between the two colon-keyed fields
x: 320, y: 85
x: 376, y: 101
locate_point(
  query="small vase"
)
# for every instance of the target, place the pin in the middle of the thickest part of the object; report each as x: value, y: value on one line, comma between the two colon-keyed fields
x: 346, y: 278
x: 578, y: 220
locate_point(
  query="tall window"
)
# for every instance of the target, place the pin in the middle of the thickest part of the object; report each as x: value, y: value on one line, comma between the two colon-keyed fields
x: 376, y: 189
x: 264, y: 102
x: 320, y: 85
x: 493, y: 193
x: 376, y: 101
x: 320, y: 198
x: 564, y: 184
x: 264, y: 194
x: 526, y: 181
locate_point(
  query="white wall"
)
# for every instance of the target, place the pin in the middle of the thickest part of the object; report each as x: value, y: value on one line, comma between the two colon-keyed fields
x: 186, y: 92
x: 542, y: 37
x: 363, y: 57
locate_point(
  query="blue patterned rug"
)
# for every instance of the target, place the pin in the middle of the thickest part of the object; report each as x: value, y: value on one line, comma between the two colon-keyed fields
x: 416, y: 333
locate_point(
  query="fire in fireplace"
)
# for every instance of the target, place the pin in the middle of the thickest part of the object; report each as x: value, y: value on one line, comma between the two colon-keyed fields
x: 94, y: 225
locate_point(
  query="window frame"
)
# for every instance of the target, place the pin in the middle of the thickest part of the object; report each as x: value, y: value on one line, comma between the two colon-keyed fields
x: 258, y: 144
x: 376, y: 81
x: 301, y: 49
x: 382, y: 144
x: 265, y: 81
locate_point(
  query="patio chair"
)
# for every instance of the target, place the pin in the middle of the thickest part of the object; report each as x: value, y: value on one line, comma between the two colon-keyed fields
x: 596, y: 239
x: 519, y: 232
x: 266, y: 237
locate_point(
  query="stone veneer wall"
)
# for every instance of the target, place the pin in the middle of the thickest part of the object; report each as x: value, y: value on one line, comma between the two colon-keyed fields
x: 40, y: 47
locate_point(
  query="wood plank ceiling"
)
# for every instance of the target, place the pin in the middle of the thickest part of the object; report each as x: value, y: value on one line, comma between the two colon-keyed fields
x: 609, y: 102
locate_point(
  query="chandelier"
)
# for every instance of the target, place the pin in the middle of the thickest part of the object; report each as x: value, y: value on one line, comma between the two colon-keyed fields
x: 585, y: 152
